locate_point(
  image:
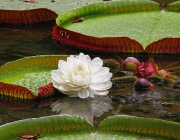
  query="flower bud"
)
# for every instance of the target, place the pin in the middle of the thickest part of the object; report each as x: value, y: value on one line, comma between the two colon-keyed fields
x: 130, y: 64
x: 142, y: 84
x: 145, y: 69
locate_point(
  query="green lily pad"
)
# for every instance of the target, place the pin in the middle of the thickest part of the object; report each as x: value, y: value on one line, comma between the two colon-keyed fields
x: 74, y: 127
x: 133, y: 26
x: 29, y: 77
x: 57, y: 6
x: 121, y: 26
x: 20, y: 12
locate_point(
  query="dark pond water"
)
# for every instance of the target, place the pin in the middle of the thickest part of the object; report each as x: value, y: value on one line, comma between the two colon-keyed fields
x: 18, y: 41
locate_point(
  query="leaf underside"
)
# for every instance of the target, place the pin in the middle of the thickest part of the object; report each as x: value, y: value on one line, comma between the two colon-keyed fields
x: 73, y: 127
x: 18, y: 11
x: 132, y: 25
x: 29, y: 77
x: 27, y: 16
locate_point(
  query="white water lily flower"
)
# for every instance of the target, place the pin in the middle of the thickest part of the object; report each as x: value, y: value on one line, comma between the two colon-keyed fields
x: 81, y: 76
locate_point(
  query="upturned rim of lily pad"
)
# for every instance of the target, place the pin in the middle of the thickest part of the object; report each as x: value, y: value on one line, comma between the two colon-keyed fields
x: 120, y: 44
x: 76, y: 127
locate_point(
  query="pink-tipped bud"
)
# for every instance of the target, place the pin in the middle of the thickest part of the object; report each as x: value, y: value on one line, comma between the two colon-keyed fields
x: 145, y: 69
x: 130, y: 64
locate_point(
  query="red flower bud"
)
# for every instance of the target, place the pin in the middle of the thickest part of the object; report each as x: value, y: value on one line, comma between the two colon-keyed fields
x: 146, y: 69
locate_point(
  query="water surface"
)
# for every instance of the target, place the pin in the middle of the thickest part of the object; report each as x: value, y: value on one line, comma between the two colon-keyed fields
x: 18, y: 41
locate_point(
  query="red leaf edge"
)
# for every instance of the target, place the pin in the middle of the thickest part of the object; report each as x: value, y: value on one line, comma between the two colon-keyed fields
x: 106, y: 44
x: 165, y: 45
x: 27, y: 16
x: 16, y: 91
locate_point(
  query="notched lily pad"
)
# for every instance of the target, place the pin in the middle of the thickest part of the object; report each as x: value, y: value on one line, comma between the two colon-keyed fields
x: 74, y: 127
x: 20, y: 12
x: 122, y: 26
x: 136, y: 26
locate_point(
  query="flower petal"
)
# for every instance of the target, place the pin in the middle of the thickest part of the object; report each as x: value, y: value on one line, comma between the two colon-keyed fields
x: 66, y: 87
x: 64, y: 68
x: 103, y: 75
x: 102, y: 92
x: 83, y: 93
x: 96, y: 64
x: 95, y: 92
x: 77, y: 80
x: 79, y: 76
x: 92, y: 92
x: 101, y: 86
x: 57, y: 77
x: 85, y: 59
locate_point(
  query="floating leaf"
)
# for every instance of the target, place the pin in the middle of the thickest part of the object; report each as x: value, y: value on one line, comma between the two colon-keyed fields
x: 73, y: 127
x: 29, y: 77
x: 107, y: 44
x: 18, y: 11
x: 17, y: 91
x: 165, y: 45
x: 156, y: 27
x: 142, y: 126
x: 121, y: 26
x: 59, y: 123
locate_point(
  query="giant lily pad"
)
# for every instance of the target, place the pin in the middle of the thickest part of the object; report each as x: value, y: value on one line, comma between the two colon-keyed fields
x: 74, y: 127
x: 29, y: 77
x: 20, y: 12
x: 122, y: 26
x: 113, y: 26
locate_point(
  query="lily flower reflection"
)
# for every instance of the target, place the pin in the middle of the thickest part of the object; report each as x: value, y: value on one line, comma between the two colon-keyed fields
x: 86, y: 108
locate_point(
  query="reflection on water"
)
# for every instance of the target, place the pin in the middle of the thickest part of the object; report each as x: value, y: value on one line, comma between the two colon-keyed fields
x: 17, y: 41
x: 12, y: 109
x: 162, y: 102
x: 86, y: 108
